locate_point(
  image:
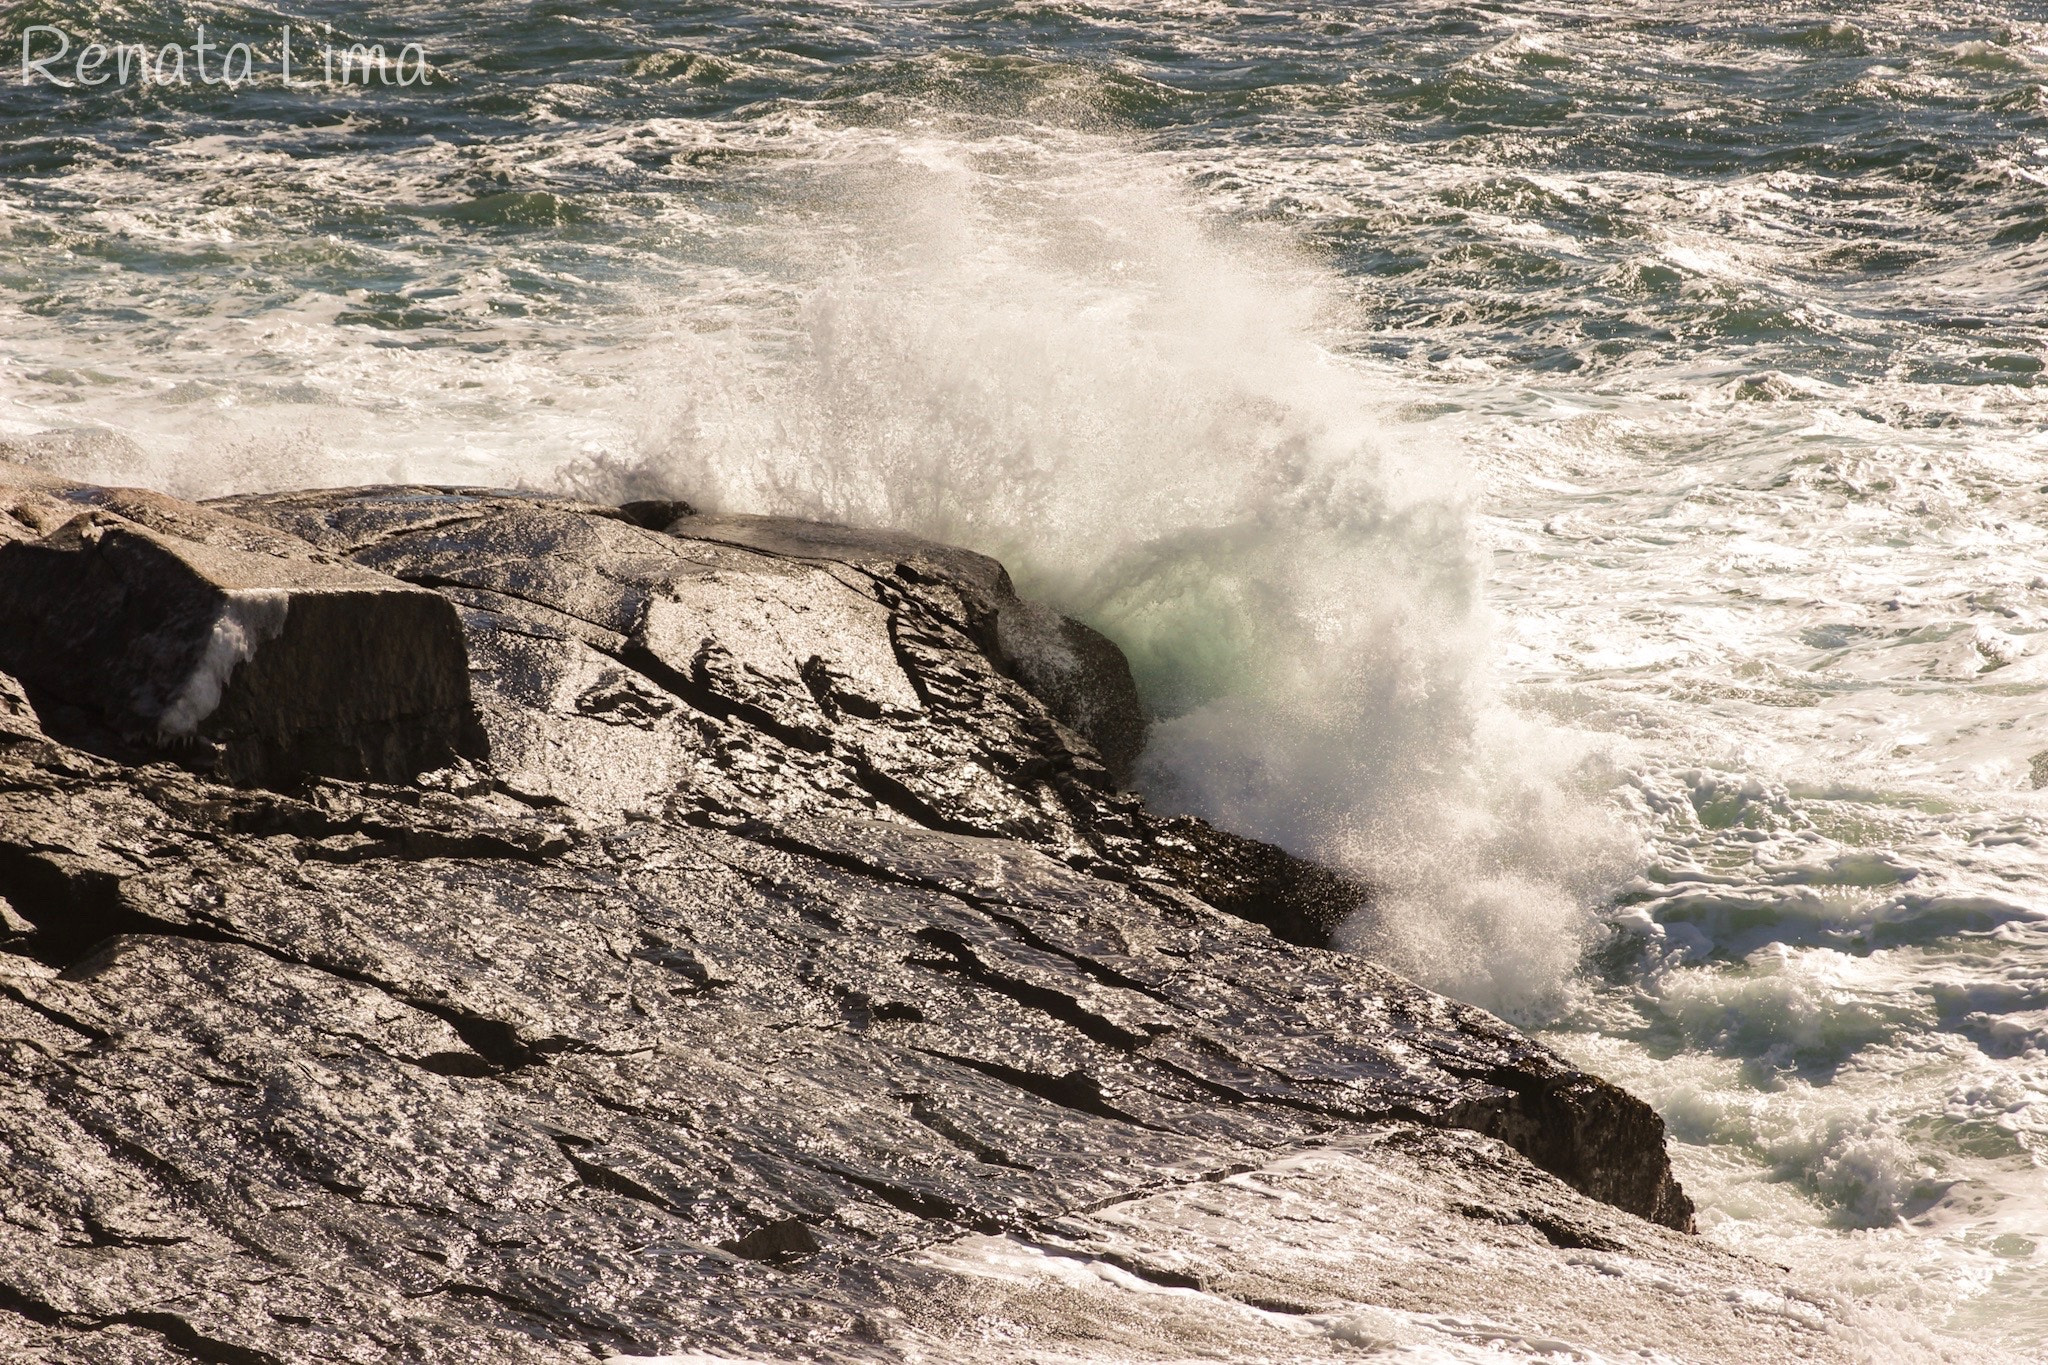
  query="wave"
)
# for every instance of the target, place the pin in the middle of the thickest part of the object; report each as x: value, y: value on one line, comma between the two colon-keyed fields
x: 1045, y: 349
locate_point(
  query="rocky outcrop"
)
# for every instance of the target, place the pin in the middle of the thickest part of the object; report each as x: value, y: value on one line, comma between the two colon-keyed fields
x: 786, y: 948
x: 139, y: 624
x: 1076, y: 673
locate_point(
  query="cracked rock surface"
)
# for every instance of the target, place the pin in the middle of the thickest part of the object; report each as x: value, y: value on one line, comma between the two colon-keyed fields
x: 782, y: 974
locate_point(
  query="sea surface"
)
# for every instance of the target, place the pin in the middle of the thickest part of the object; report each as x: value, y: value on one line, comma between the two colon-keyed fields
x: 1583, y: 466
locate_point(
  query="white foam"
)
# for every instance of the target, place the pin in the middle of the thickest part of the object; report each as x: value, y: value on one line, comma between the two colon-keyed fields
x: 1047, y: 351
x: 248, y: 618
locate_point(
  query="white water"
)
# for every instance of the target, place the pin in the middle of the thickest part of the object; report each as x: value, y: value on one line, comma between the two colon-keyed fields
x: 1051, y: 354
x: 249, y: 619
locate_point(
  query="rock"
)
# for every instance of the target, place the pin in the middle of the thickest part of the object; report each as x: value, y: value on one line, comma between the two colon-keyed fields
x: 1082, y: 677
x: 1301, y: 901
x: 144, y: 624
x: 656, y: 514
x: 1354, y: 1249
x: 18, y: 720
x: 786, y: 961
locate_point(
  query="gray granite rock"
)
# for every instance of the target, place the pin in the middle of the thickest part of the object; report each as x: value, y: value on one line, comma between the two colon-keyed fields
x: 786, y: 954
x: 140, y: 624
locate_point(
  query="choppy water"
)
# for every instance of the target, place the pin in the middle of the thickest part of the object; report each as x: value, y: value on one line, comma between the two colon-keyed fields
x: 1584, y: 465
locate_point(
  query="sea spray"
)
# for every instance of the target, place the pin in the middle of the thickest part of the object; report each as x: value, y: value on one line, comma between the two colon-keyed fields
x: 1048, y: 351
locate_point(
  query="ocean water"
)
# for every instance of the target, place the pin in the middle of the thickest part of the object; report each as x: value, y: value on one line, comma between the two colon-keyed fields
x: 1583, y: 466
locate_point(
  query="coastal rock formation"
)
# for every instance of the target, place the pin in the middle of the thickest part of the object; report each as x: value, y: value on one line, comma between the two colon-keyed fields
x: 141, y: 622
x: 754, y: 949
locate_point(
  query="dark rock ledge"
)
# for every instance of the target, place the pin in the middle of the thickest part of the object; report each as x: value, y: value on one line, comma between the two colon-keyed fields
x: 452, y: 925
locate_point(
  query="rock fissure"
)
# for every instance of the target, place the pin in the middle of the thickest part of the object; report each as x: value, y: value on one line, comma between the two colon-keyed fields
x: 961, y: 958
x: 1074, y: 1090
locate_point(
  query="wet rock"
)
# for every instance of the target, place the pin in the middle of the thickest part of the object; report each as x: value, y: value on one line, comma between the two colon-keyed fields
x: 785, y: 950
x: 142, y: 624
x: 1080, y: 676
x: 1267, y: 1267
x: 1301, y: 901
x: 656, y: 514
x: 1599, y: 1138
